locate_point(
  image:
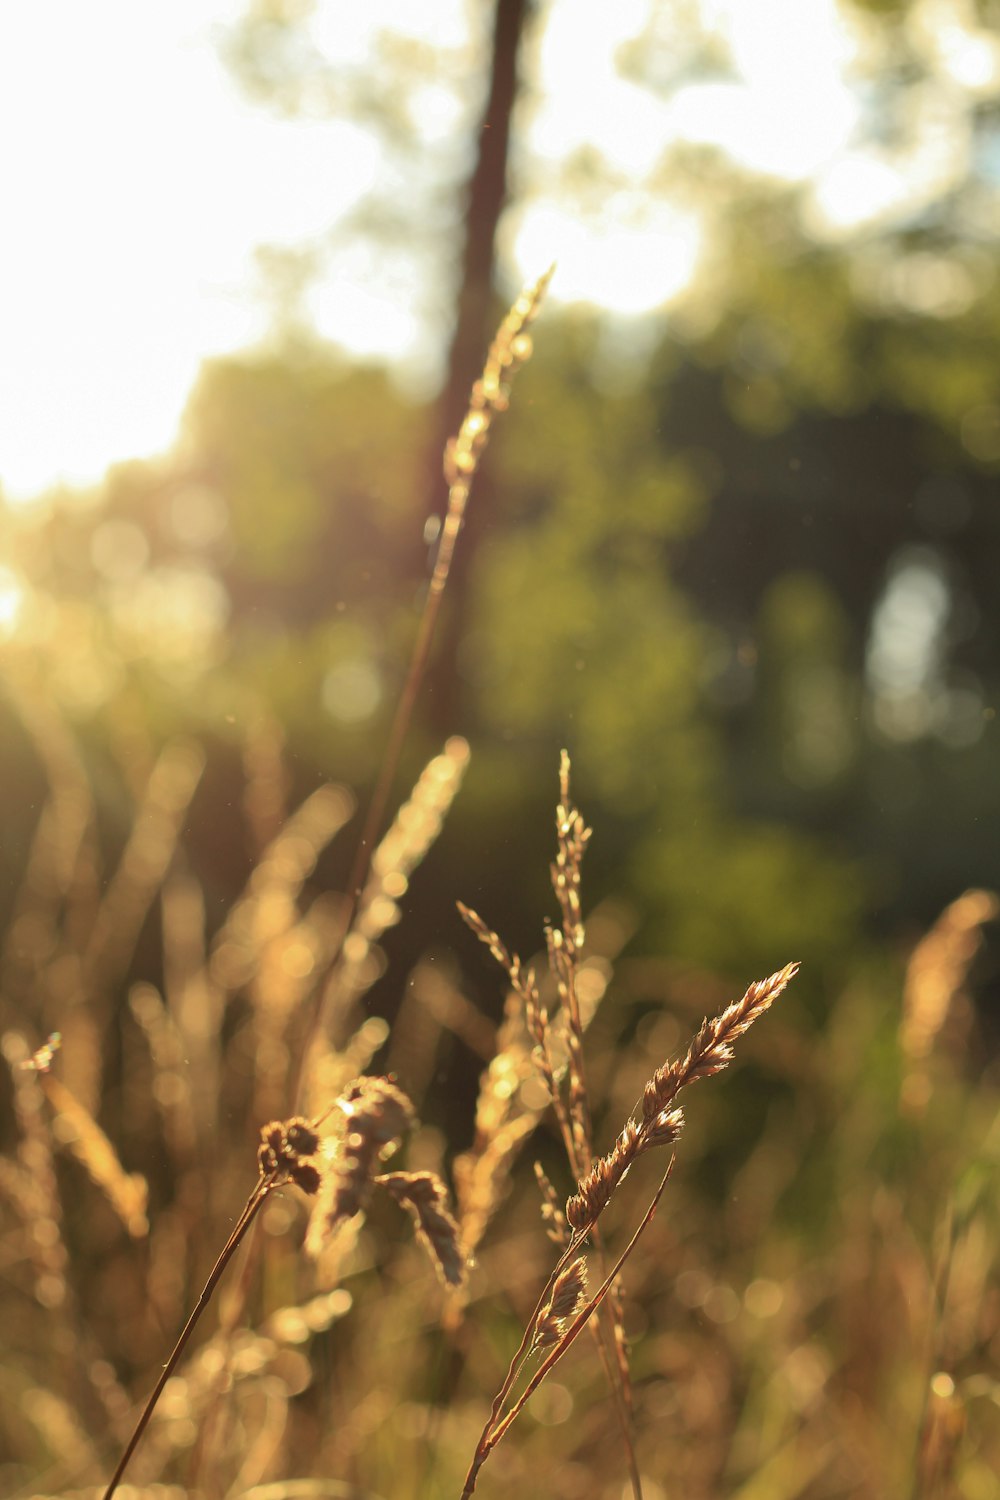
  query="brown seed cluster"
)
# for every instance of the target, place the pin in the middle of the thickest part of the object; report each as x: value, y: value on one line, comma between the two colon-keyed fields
x: 280, y: 1157
x: 593, y: 1192
x: 341, y: 1172
x: 711, y: 1049
x: 425, y: 1197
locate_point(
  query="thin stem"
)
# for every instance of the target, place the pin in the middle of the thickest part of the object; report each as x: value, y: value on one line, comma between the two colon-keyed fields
x: 253, y: 1203
x: 583, y: 1316
x: 613, y: 1356
x: 494, y: 1430
x: 939, y: 1302
x: 388, y: 767
x: 526, y: 1341
x: 576, y: 1243
x: 461, y: 462
x: 605, y: 1334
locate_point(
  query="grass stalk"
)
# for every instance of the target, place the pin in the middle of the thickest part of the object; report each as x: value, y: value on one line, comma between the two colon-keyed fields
x: 229, y: 1249
x: 494, y: 1430
x: 490, y: 394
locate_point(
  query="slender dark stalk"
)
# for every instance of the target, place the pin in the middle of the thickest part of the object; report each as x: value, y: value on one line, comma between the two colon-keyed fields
x: 574, y: 1247
x: 521, y: 1353
x: 612, y: 1357
x: 378, y: 802
x: 584, y: 1315
x: 510, y: 348
x: 246, y: 1218
x: 494, y: 1430
x: 615, y: 1363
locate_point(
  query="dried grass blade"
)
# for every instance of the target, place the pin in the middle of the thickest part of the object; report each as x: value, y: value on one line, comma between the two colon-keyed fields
x: 143, y: 864
x: 127, y: 1192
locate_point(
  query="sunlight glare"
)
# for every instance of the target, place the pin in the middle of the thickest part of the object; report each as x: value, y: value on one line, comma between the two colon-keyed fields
x: 584, y: 99
x: 947, y: 30
x: 143, y: 184
x: 374, y: 322
x: 788, y: 135
x: 12, y: 596
x: 640, y: 260
x: 858, y: 188
x: 869, y: 188
x: 345, y: 31
x: 791, y: 108
x: 136, y: 220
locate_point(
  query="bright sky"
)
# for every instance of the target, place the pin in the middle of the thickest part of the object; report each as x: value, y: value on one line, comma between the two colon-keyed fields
x: 136, y: 183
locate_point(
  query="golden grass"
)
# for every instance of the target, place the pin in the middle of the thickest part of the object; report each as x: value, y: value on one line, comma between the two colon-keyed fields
x: 562, y: 1310
x: 763, y: 1351
x: 539, y: 1058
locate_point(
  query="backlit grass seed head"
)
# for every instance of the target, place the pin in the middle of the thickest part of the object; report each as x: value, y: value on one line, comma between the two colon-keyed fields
x: 482, y: 1176
x: 572, y: 836
x: 593, y: 1192
x: 377, y: 1109
x: 568, y: 1296
x: 487, y: 936
x: 41, y: 1060
x: 425, y: 1197
x: 936, y: 1011
x: 711, y: 1049
x: 552, y: 1215
x: 709, y: 1052
x: 75, y: 1127
x: 664, y: 1129
x: 490, y: 394
x: 377, y: 1114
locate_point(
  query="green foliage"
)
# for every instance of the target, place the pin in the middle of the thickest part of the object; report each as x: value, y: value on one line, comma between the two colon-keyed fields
x: 790, y: 336
x: 944, y: 371
x: 290, y: 445
x: 576, y: 628
x: 807, y: 700
x: 723, y: 888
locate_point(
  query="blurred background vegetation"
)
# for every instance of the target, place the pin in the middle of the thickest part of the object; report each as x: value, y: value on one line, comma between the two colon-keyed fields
x: 739, y: 554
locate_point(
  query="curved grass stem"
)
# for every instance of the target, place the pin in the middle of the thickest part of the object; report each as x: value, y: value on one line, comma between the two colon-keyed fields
x: 246, y: 1218
x: 494, y: 1429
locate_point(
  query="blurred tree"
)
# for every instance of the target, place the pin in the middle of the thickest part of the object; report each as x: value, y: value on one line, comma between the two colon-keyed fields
x: 742, y: 562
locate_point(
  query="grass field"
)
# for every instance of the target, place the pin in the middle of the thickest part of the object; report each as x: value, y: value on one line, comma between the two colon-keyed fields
x: 791, y: 1292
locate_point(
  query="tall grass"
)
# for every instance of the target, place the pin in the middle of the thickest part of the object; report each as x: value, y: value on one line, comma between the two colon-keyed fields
x: 231, y: 1166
